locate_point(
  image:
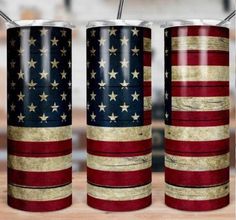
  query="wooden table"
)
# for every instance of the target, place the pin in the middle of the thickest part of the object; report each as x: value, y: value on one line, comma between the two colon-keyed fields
x: 80, y: 211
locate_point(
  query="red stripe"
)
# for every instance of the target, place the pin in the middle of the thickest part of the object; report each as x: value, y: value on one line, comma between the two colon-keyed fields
x: 199, y: 31
x: 200, y: 116
x: 189, y: 123
x: 196, y: 178
x: 40, y: 179
x: 203, y: 205
x: 147, y: 88
x: 186, y: 91
x: 197, y: 146
x: 118, y: 147
x: 38, y: 206
x: 129, y: 205
x: 119, y: 179
x: 198, y: 154
x: 30, y: 148
x: 201, y: 84
x: 147, y: 32
x: 147, y: 117
x: 147, y: 58
x: 180, y: 58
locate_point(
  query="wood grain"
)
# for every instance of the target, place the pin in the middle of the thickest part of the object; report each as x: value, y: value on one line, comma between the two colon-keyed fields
x: 80, y: 210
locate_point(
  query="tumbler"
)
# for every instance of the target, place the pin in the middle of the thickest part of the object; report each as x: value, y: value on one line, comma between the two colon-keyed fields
x: 39, y: 115
x: 119, y: 115
x: 196, y: 115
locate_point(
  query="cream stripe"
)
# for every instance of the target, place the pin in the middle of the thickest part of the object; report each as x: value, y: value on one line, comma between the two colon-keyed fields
x: 200, y: 73
x: 147, y: 44
x: 119, y: 163
x: 197, y: 133
x: 147, y: 103
x: 39, y: 164
x: 39, y: 134
x: 147, y: 73
x: 200, y: 43
x: 218, y: 103
x: 43, y: 194
x: 197, y: 163
x: 119, y: 194
x: 119, y: 133
x: 198, y: 194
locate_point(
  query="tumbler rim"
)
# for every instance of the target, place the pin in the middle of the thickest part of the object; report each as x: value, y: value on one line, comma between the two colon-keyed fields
x: 194, y: 22
x: 40, y: 22
x: 119, y: 22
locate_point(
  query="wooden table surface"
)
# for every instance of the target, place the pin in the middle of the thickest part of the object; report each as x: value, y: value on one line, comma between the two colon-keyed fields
x: 80, y: 211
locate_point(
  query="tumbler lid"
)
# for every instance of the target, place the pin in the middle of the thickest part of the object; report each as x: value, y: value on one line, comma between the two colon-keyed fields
x: 193, y: 22
x: 118, y: 22
x: 44, y: 23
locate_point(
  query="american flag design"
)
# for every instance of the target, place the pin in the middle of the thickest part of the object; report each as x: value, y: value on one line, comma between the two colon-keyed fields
x: 197, y: 117
x: 119, y: 117
x: 39, y: 117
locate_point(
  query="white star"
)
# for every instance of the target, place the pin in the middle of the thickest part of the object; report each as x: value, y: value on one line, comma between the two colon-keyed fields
x: 102, y: 107
x: 63, y: 96
x: 112, y: 96
x: 166, y: 52
x: 124, y: 85
x: 124, y: 107
x: 166, y: 95
x: 43, y: 31
x: 32, y: 63
x: 20, y: 118
x: 20, y: 51
x: 135, y: 31
x: 12, y: 42
x: 69, y: 64
x: 92, y: 52
x: 102, y: 63
x: 43, y: 51
x: 135, y: 51
x: 43, y: 75
x: 102, y: 84
x: 69, y: 84
x: 113, y: 117
x: 63, y: 52
x: 54, y: 41
x: 13, y: 84
x: 63, y: 33
x: 63, y: 117
x: 166, y: 74
x: 93, y: 32
x: 124, y: 41
x: 69, y: 43
x: 93, y: 95
x: 20, y: 75
x: 13, y: 107
x: 166, y: 33
x: 21, y: 97
x: 32, y: 107
x: 124, y: 63
x: 102, y: 41
x: 135, y: 96
x: 135, y: 117
x: 69, y: 107
x: 63, y: 74
x: 112, y: 51
x: 166, y: 115
x: 32, y: 84
x: 43, y: 118
x: 112, y: 74
x: 32, y: 41
x: 54, y: 63
x: 135, y: 74
x: 93, y: 74
x: 43, y: 97
x: 112, y: 31
x: 12, y: 64
x: 54, y: 85
x: 54, y: 107
x: 93, y: 116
